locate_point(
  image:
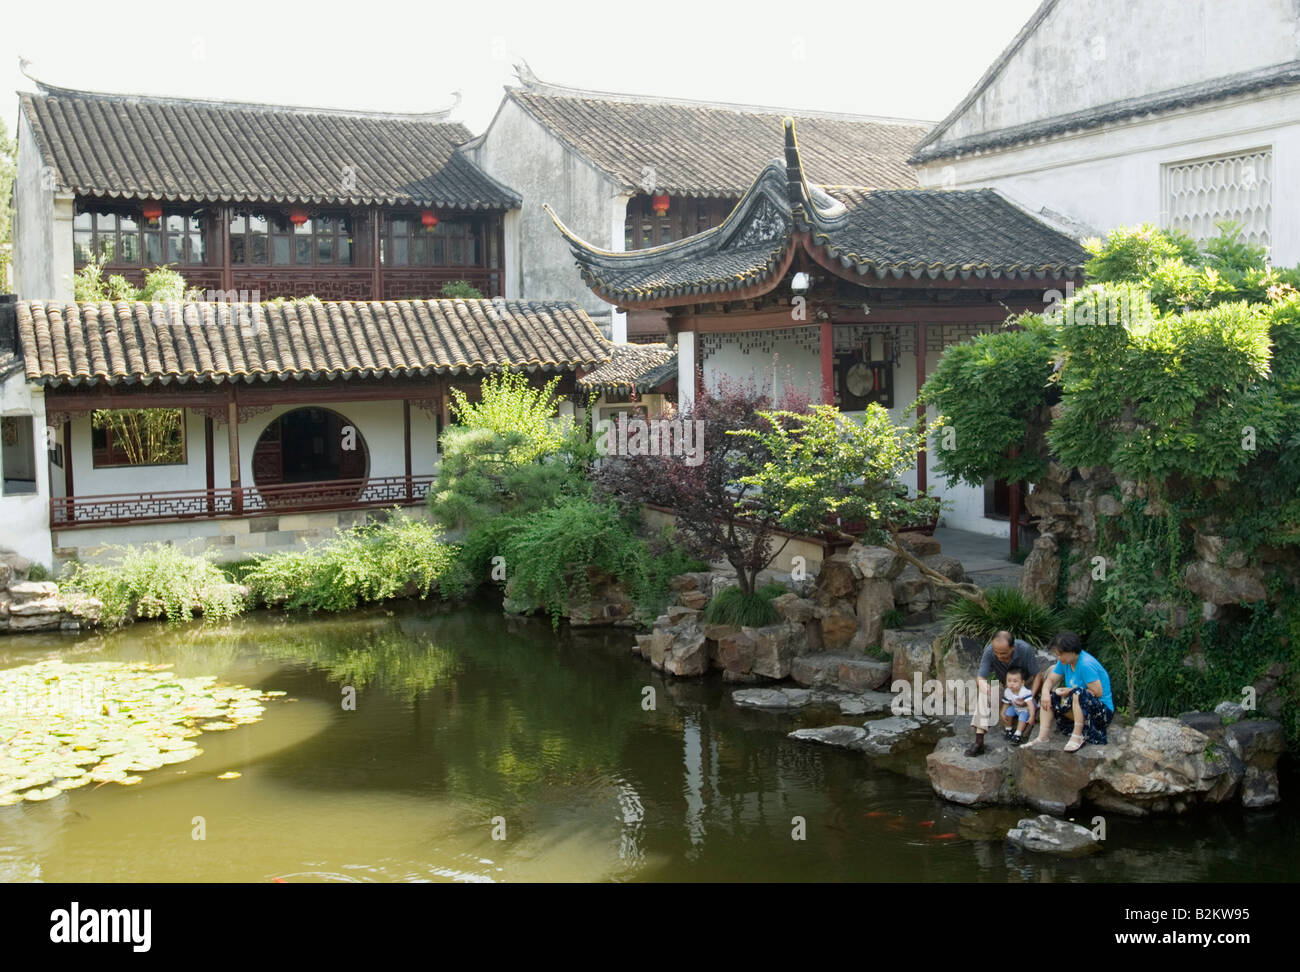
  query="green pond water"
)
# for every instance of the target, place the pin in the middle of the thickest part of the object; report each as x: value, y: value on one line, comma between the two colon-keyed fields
x: 466, y: 723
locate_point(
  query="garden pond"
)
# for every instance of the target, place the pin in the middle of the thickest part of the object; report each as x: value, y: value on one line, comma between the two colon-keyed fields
x: 408, y: 739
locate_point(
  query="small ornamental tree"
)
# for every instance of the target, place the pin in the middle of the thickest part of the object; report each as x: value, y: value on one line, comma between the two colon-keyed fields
x: 509, y: 455
x: 718, y: 515
x: 811, y: 468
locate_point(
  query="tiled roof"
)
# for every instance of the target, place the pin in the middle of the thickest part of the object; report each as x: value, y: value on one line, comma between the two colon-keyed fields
x: 640, y: 367
x: 135, y: 342
x: 938, y: 232
x: 137, y: 147
x: 888, y: 233
x: 699, y: 149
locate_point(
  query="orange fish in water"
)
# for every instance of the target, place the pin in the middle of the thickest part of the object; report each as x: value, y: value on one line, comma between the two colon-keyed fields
x: 876, y: 813
x: 926, y: 823
x: 279, y: 880
x: 944, y: 836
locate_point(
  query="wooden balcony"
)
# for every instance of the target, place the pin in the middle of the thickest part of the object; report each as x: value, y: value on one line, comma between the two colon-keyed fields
x: 70, y: 512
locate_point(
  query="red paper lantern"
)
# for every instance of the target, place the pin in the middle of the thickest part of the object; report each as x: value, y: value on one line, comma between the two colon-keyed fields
x: 298, y: 215
x: 659, y: 204
x: 428, y: 219
x: 152, y: 211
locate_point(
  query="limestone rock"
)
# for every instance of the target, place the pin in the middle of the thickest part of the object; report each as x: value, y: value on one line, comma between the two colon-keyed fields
x: 1050, y: 779
x: 875, y: 597
x: 1213, y: 549
x: 1258, y: 743
x: 862, y: 674
x: 838, y: 625
x: 874, y: 563
x: 735, y: 652
x: 919, y: 544
x: 1220, y: 585
x: 843, y: 737
x: 1038, y: 577
x: 912, y: 650
x: 835, y: 580
x: 970, y: 780
x: 28, y: 591
x: 1051, y: 835
x: 775, y: 648
x: 678, y: 645
x: 773, y: 698
x: 896, y: 734
x: 792, y: 607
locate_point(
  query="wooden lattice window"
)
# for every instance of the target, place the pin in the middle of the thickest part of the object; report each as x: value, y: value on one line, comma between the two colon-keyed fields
x: 406, y: 242
x: 1201, y: 193
x: 122, y: 236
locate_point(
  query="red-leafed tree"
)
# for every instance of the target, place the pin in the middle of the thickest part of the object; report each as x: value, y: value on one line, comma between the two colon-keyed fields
x: 717, y: 515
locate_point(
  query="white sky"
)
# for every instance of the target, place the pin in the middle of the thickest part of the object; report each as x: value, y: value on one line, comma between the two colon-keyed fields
x: 905, y: 59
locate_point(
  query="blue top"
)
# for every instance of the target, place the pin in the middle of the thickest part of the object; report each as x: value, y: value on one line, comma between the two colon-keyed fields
x: 1086, y: 669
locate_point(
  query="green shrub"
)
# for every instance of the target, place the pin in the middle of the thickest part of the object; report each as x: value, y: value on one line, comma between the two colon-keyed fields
x: 400, y: 557
x: 461, y: 290
x: 734, y: 607
x: 893, y: 618
x: 1008, y: 610
x: 154, y: 581
x: 549, y: 554
x: 37, y: 572
x: 162, y: 283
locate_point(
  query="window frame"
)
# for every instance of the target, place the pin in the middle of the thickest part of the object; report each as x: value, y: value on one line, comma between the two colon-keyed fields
x: 469, y: 232
x: 107, y: 457
x: 144, y: 233
x: 280, y: 227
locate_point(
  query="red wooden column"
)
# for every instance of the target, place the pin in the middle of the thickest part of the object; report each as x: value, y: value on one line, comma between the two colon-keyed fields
x: 921, y: 483
x: 69, y: 505
x: 828, y: 362
x: 406, y: 442
x: 377, y: 278
x: 209, y: 456
x: 227, y: 268
x: 232, y: 433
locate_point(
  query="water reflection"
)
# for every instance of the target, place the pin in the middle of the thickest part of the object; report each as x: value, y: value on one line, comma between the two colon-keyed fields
x: 466, y: 723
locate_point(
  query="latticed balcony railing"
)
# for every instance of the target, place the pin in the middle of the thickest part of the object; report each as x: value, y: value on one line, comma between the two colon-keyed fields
x: 188, y: 504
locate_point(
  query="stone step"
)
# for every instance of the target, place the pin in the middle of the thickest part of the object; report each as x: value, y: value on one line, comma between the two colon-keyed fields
x: 844, y: 672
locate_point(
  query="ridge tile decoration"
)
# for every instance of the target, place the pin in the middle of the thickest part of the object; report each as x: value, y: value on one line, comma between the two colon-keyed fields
x: 78, y: 344
x: 889, y: 234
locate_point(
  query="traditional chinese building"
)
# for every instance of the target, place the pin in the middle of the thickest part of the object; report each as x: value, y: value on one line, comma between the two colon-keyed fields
x: 252, y: 201
x: 245, y: 427
x: 631, y: 172
x: 850, y: 293
x: 1115, y: 113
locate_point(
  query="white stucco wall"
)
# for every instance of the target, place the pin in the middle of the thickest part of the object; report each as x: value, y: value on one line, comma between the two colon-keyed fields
x: 25, y: 518
x: 524, y: 155
x: 1095, y: 52
x: 379, y: 423
x: 42, y: 227
x: 1114, y: 176
x: 793, y: 363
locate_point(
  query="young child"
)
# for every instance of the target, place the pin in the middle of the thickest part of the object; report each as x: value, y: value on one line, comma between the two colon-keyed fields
x: 1020, y: 706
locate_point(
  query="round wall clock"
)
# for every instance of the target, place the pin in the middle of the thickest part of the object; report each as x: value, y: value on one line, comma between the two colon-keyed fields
x: 857, y: 380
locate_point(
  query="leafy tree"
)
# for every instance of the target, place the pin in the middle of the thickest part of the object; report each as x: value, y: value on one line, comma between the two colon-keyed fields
x: 989, y: 390
x: 718, y: 514
x: 8, y: 171
x: 1133, y: 253
x: 813, y: 467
